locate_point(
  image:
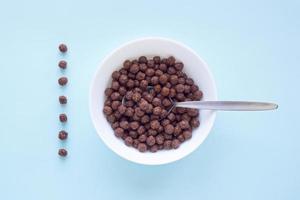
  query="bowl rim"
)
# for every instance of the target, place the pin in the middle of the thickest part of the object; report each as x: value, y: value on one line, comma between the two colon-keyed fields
x: 111, y: 53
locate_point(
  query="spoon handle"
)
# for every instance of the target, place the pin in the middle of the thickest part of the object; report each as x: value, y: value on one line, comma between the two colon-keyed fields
x: 228, y: 105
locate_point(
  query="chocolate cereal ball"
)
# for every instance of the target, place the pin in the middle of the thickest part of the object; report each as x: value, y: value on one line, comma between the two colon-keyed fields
x: 128, y: 141
x: 62, y: 135
x: 163, y: 67
x: 123, y: 79
x: 136, y: 97
x: 108, y: 92
x: 150, y: 140
x: 141, y: 130
x: 167, y: 144
x: 181, y: 138
x: 156, y: 59
x: 107, y: 110
x: 122, y: 109
x: 142, y: 147
x: 169, y: 129
x: 134, y: 125
x: 154, y: 124
x: 157, y: 88
x: 165, y: 122
x: 178, y: 66
x: 184, y: 124
x: 187, y: 134
x: 171, y: 60
x: 115, y: 125
x: 143, y: 59
x: 150, y: 72
x: 157, y: 110
x: 142, y: 138
x: 197, y: 95
x: 63, y: 81
x: 165, y: 91
x: 175, y: 143
x: 135, y: 143
x: 163, y: 79
x: 62, y: 152
x: 63, y: 48
x: 154, y: 148
x: 124, y: 125
x: 144, y: 84
x: 119, y: 132
x: 145, y: 119
x: 122, y: 90
x: 62, y: 99
x: 63, y: 118
x: 115, y: 105
x: 115, y: 75
x: 115, y: 85
x: 177, y: 130
x: 149, y: 109
x: 126, y: 64
x: 156, y: 102
x: 130, y: 83
x: 133, y: 134
x: 134, y: 68
x: 195, y: 122
x: 62, y: 64
x: 159, y: 139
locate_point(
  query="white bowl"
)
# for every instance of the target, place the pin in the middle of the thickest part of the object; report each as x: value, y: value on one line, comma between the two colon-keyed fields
x: 194, y: 66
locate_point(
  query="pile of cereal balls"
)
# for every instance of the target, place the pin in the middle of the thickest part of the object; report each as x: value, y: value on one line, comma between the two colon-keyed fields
x: 139, y: 98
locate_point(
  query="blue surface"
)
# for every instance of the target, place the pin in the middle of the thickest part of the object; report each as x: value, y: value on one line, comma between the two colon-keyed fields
x: 252, y: 48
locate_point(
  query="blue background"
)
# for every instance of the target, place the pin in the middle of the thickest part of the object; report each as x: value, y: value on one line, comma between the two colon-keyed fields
x: 252, y: 48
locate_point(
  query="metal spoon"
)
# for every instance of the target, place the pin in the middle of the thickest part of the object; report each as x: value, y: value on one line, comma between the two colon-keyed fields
x: 224, y: 105
x: 227, y: 105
